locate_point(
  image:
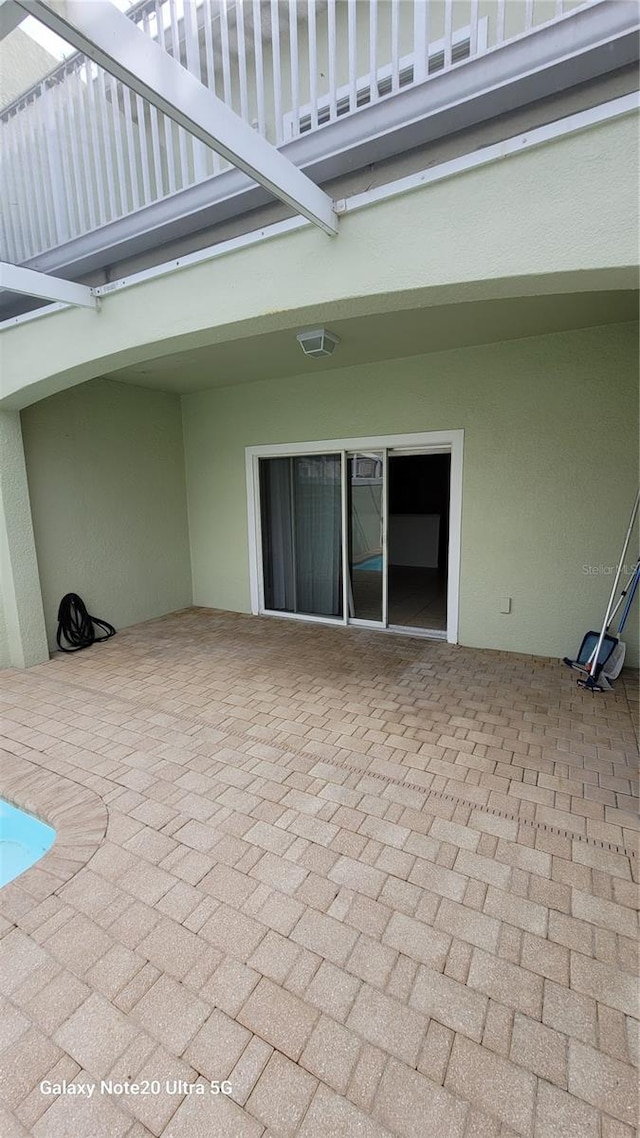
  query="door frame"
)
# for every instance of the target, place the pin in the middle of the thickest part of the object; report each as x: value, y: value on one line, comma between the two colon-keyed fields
x: 424, y: 442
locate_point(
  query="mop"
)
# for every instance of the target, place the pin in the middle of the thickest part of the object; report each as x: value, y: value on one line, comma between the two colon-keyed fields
x: 600, y: 651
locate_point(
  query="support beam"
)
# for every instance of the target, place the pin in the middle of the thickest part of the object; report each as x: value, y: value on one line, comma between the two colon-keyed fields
x: 10, y: 16
x: 114, y: 42
x: 28, y: 281
x: 23, y: 637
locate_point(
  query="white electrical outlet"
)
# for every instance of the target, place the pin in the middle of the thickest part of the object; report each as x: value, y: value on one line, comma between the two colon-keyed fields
x: 505, y: 604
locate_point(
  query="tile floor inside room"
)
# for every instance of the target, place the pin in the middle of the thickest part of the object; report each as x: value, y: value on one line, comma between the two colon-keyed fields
x: 382, y: 886
x: 417, y: 597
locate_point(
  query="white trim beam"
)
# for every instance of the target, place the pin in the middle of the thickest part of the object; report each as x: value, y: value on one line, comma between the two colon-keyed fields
x: 112, y: 41
x: 10, y: 16
x: 28, y: 281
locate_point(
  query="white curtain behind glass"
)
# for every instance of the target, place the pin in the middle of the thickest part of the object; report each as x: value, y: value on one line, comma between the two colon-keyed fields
x: 318, y: 529
x: 302, y: 534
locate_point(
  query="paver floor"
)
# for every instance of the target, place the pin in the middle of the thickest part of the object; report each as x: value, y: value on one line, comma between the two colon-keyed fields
x: 378, y: 886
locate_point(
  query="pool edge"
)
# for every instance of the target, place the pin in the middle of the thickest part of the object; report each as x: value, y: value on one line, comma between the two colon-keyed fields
x: 77, y: 814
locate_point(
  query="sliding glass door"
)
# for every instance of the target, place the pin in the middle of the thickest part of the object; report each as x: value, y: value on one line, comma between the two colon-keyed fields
x: 366, y: 497
x: 301, y: 519
x: 366, y: 533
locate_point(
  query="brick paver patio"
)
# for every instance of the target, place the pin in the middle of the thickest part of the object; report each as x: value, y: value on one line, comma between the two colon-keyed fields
x: 382, y: 886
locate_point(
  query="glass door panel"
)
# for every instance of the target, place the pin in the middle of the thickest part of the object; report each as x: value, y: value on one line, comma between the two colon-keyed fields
x: 301, y: 518
x: 366, y: 489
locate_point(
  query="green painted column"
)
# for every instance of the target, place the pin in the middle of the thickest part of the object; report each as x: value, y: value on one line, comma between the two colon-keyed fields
x: 23, y: 638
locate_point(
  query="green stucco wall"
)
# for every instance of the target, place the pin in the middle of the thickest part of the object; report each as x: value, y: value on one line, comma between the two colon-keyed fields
x: 550, y: 466
x: 105, y: 467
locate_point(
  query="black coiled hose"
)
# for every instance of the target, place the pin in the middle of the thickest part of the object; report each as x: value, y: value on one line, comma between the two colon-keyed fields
x: 77, y: 627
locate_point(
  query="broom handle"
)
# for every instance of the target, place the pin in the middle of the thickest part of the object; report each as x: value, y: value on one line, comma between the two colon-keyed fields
x: 621, y: 599
x: 634, y: 512
x: 631, y: 589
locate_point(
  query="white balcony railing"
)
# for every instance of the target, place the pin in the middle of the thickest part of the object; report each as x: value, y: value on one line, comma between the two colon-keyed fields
x: 79, y: 150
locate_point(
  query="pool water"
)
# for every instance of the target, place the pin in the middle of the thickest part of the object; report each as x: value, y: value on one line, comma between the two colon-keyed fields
x: 23, y: 841
x: 372, y: 564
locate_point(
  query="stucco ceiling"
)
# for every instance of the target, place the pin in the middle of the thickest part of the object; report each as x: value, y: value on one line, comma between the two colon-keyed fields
x: 381, y: 337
